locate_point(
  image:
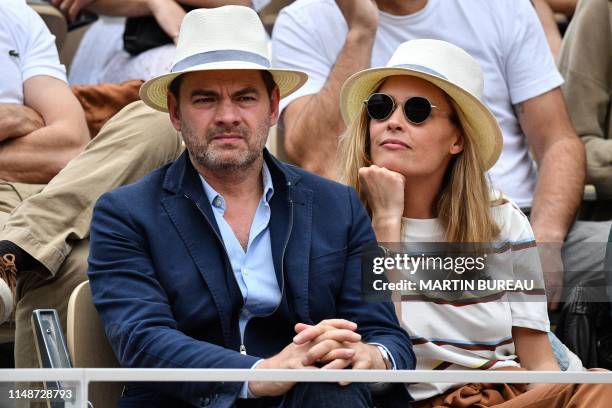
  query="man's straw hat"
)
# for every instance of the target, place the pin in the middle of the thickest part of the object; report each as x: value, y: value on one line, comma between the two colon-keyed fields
x: 223, y: 38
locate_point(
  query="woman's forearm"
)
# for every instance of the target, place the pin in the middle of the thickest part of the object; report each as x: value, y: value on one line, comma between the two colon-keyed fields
x: 386, y: 230
x: 534, y: 350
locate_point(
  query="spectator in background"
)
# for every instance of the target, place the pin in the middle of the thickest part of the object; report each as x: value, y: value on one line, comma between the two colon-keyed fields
x: 42, y: 125
x: 586, y: 64
x: 48, y: 234
x: 46, y: 237
x: 102, y: 55
x: 330, y: 40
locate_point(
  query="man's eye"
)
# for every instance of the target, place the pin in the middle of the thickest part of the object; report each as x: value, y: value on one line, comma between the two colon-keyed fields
x: 246, y: 98
x: 204, y: 100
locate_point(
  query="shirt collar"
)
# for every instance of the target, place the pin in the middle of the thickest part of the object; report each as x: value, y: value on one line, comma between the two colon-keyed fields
x: 216, y: 200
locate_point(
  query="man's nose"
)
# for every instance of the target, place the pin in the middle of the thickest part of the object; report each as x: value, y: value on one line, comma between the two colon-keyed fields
x: 227, y: 113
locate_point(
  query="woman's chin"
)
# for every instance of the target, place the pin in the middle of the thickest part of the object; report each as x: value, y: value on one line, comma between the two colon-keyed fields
x: 393, y: 165
x: 405, y: 169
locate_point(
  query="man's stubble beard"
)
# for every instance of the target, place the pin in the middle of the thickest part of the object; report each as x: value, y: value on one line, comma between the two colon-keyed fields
x: 206, y: 157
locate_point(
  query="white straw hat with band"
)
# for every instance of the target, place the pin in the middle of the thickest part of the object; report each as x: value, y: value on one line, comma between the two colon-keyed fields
x: 448, y: 67
x: 222, y: 38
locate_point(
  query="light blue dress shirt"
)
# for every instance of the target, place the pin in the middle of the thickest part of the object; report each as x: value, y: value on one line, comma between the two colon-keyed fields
x: 253, y: 268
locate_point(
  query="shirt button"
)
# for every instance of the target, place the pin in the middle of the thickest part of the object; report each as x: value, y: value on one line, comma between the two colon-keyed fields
x: 217, y: 202
x: 245, y: 272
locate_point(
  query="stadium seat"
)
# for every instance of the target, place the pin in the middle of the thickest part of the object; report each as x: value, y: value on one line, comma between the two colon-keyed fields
x: 86, y: 344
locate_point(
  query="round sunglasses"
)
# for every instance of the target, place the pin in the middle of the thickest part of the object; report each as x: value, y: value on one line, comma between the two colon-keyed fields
x: 417, y: 109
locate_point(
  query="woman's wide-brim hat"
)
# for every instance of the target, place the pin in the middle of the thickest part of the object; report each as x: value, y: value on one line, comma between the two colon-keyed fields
x: 448, y: 67
x: 223, y: 38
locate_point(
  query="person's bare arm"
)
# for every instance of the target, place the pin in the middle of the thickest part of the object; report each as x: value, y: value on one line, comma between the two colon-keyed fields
x: 313, y: 123
x: 127, y: 8
x: 561, y: 159
x: 131, y: 8
x: 566, y: 7
x: 18, y: 120
x: 534, y: 351
x: 214, y: 3
x: 40, y: 155
x: 547, y: 19
x: 169, y: 15
x: 137, y: 8
x: 562, y: 167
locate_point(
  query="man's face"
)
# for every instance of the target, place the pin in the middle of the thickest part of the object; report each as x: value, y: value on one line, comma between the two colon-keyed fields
x: 224, y: 117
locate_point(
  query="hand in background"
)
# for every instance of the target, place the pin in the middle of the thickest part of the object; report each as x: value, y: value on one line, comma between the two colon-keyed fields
x: 169, y: 15
x: 360, y: 15
x: 71, y: 8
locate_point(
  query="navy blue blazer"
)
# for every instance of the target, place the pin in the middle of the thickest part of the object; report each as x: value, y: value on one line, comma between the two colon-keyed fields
x: 163, y: 285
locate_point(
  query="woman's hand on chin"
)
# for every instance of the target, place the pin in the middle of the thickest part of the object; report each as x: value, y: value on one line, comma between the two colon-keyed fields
x: 384, y: 190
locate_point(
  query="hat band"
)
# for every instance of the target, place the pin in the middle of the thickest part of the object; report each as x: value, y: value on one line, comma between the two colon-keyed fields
x: 421, y: 68
x: 220, y: 56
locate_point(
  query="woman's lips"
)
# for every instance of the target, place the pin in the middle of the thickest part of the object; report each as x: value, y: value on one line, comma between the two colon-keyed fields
x: 394, y: 144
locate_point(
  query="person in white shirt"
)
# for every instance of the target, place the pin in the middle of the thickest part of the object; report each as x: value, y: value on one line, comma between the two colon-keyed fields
x: 417, y: 148
x: 42, y: 125
x: 101, y: 56
x: 330, y: 40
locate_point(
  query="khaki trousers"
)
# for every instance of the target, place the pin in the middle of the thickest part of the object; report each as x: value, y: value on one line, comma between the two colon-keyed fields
x: 52, y: 222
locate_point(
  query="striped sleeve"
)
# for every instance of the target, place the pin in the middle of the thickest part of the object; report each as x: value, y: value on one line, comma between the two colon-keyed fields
x: 528, y: 307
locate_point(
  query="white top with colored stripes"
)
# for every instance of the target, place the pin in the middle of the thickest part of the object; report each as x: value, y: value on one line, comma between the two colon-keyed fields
x: 477, y: 335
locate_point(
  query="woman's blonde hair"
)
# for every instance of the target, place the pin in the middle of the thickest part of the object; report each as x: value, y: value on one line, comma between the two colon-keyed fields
x: 463, y: 203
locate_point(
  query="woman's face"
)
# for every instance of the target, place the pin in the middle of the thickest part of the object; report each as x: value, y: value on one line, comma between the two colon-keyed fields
x: 421, y: 150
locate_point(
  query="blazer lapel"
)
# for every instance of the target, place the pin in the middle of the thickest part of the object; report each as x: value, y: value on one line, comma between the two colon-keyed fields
x: 192, y: 216
x: 297, y: 255
x: 290, y: 235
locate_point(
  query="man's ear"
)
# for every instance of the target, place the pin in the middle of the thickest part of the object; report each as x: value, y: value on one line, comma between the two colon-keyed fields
x: 173, y: 111
x: 274, y: 106
x: 457, y: 146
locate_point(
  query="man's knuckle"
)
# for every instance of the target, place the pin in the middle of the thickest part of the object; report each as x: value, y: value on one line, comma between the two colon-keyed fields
x: 327, y: 343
